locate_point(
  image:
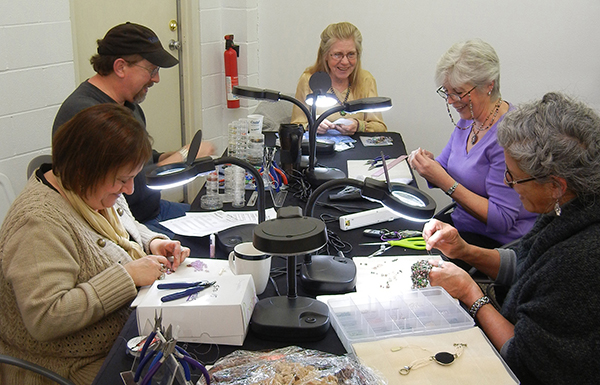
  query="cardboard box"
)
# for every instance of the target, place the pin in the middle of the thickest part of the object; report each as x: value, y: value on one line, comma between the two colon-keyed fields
x: 217, y: 315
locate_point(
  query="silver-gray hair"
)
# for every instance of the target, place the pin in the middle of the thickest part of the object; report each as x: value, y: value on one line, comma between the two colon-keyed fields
x: 555, y: 136
x: 470, y: 62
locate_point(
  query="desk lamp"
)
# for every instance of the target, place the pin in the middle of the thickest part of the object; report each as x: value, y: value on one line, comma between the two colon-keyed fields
x: 329, y: 273
x: 179, y: 174
x: 292, y: 317
x: 319, y: 82
x: 405, y: 201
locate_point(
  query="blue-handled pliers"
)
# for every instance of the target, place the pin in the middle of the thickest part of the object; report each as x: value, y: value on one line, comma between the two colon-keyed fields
x: 194, y: 287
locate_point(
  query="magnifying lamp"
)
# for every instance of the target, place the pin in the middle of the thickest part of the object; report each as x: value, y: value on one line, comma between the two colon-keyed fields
x: 405, y: 201
x: 290, y: 317
x: 333, y: 273
x: 320, y: 83
x: 178, y: 174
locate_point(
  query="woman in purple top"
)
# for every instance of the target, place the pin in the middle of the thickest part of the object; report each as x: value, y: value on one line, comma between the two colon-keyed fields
x: 471, y: 167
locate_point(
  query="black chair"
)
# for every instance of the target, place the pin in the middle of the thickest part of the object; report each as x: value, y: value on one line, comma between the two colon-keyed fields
x: 4, y: 359
x: 37, y: 162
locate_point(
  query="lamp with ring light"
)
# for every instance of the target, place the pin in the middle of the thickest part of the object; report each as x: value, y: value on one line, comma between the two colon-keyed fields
x: 320, y: 83
x: 178, y: 174
x: 330, y: 273
x: 290, y: 234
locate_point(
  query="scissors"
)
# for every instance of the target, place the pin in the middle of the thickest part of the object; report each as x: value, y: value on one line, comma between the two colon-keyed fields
x: 192, y: 288
x: 415, y: 243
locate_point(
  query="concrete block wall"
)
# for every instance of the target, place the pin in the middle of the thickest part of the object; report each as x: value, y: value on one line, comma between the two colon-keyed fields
x: 217, y: 19
x: 36, y: 74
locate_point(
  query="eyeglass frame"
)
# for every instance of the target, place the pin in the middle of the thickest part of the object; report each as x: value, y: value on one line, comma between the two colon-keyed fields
x: 443, y: 93
x: 344, y: 55
x: 152, y: 73
x: 513, y: 182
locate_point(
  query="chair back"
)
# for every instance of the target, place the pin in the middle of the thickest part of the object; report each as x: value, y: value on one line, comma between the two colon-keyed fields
x: 4, y: 359
x: 37, y: 162
x: 7, y: 196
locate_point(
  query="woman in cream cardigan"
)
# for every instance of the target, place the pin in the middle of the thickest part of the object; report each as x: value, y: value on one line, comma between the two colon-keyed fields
x: 72, y: 254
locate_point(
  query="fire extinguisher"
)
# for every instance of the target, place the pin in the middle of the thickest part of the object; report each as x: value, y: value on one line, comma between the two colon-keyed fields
x: 231, y: 54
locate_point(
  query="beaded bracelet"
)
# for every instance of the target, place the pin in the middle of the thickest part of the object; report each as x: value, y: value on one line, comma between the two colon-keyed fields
x: 478, y: 305
x: 451, y: 189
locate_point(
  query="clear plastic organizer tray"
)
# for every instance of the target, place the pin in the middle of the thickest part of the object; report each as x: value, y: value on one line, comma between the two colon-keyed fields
x: 360, y: 318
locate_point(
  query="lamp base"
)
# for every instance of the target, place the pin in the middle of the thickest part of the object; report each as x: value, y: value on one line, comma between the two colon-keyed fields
x: 227, y: 239
x: 287, y: 319
x: 327, y: 274
x: 320, y: 175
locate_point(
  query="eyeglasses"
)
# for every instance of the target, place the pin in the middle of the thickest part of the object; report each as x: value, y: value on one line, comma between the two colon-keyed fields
x: 446, y: 96
x: 511, y: 182
x: 152, y: 72
x: 351, y: 56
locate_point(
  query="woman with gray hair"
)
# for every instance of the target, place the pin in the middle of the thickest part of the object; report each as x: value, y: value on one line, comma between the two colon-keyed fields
x: 339, y: 55
x: 470, y: 167
x: 547, y: 327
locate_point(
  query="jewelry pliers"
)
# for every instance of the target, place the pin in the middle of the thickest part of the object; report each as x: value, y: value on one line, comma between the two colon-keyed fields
x: 192, y: 288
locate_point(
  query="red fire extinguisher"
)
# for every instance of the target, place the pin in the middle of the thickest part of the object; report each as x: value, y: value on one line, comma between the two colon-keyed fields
x: 231, y: 54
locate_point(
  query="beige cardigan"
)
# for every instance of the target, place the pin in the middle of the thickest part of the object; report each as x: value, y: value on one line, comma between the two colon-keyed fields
x: 65, y: 294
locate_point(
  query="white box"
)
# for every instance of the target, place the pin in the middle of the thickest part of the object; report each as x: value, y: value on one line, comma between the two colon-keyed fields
x: 219, y: 314
x: 366, y: 218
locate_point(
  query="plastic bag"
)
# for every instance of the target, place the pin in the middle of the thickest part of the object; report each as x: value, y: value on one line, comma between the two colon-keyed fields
x: 291, y: 365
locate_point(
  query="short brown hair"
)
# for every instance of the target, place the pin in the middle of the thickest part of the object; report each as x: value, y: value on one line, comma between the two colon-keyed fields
x: 103, y: 64
x: 95, y: 143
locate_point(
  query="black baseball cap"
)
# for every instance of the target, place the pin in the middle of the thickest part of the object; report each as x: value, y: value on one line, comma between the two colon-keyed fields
x: 130, y: 39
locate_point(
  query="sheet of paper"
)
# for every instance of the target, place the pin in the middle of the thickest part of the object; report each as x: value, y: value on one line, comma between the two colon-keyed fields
x: 343, y: 121
x: 200, y: 224
x: 389, y: 274
x: 478, y: 364
x: 359, y: 169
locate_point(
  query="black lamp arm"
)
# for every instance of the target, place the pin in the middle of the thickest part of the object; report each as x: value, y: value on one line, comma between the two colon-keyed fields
x: 312, y: 200
x: 260, y: 185
x: 300, y: 105
x: 312, y: 134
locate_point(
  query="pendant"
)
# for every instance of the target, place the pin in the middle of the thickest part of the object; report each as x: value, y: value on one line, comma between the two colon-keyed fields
x: 343, y: 113
x: 474, y: 139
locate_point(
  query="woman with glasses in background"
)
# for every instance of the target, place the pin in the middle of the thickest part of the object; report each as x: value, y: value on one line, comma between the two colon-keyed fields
x: 547, y: 327
x: 470, y: 169
x: 339, y: 56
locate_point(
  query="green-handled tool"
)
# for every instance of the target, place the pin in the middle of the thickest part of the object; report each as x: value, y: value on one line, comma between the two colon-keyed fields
x: 416, y: 243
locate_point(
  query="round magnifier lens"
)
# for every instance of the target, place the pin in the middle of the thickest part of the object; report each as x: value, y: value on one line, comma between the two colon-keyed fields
x: 408, y: 199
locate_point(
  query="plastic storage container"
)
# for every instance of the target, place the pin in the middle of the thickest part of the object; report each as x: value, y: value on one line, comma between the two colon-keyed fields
x: 362, y: 318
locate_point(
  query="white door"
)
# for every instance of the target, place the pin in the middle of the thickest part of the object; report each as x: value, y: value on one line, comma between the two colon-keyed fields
x: 91, y: 21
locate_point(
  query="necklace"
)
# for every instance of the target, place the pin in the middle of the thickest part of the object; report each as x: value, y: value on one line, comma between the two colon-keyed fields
x: 343, y: 113
x: 483, y: 127
x: 441, y: 358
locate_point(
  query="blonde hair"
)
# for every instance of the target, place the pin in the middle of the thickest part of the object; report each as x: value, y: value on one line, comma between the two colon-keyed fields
x: 333, y: 33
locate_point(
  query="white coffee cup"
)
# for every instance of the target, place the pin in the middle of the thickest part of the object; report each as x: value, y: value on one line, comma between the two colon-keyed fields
x: 245, y: 259
x: 255, y: 123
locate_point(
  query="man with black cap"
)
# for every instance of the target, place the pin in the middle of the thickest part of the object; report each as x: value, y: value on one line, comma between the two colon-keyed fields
x: 127, y: 64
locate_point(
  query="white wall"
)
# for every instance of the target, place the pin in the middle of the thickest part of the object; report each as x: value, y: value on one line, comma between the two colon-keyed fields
x: 36, y: 74
x: 217, y: 19
x: 543, y: 45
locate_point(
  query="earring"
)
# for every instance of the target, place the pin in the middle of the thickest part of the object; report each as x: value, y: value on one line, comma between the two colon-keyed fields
x: 489, y: 93
x: 557, y: 208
